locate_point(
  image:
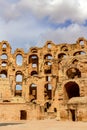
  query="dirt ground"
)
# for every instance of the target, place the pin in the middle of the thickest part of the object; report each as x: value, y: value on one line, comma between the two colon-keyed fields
x: 48, y: 124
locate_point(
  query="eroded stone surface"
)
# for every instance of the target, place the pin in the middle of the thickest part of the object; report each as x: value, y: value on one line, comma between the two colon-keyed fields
x: 39, y: 84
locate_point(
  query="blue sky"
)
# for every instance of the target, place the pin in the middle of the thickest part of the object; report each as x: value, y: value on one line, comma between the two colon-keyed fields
x: 27, y: 23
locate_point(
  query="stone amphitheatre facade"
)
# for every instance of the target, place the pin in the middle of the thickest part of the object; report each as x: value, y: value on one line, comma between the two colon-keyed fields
x: 47, y: 82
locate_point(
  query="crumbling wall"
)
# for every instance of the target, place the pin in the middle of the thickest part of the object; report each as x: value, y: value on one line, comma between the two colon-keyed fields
x: 47, y: 76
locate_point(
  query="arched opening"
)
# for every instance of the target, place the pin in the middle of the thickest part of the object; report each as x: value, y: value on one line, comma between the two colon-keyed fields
x: 49, y: 45
x: 3, y: 74
x: 61, y: 55
x: 18, y: 78
x: 19, y: 59
x: 71, y: 90
x: 33, y: 92
x: 64, y: 48
x: 73, y: 73
x: 48, y: 91
x: 4, y: 45
x: 81, y: 42
x: 48, y: 57
x: 34, y: 50
x: 79, y: 53
x: 48, y: 67
x: 4, y: 57
x: 34, y: 73
x: 18, y: 90
x: 4, y: 64
x: 33, y: 60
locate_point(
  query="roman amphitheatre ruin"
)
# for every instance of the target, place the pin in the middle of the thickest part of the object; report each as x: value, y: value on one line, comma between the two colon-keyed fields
x: 46, y: 82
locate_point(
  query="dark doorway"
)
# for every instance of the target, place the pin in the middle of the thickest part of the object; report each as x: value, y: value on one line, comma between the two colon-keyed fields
x: 73, y: 115
x: 23, y: 115
x: 71, y: 90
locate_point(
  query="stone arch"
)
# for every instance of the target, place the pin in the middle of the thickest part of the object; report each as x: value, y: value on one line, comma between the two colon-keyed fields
x: 4, y: 56
x: 64, y: 48
x: 49, y: 45
x: 73, y: 73
x: 3, y: 74
x: 34, y: 50
x: 34, y: 73
x: 79, y: 53
x: 48, y: 67
x: 18, y: 89
x: 4, y: 64
x: 48, y: 56
x: 19, y: 76
x: 4, y: 46
x: 61, y: 55
x: 33, y: 60
x: 81, y: 41
x: 19, y: 59
x: 71, y: 89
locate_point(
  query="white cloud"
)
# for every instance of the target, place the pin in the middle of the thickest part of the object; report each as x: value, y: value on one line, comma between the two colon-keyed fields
x: 57, y: 10
x: 63, y: 35
x: 22, y: 24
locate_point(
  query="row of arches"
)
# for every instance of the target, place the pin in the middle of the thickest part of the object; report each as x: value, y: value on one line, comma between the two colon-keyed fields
x: 33, y: 91
x: 18, y: 75
x: 71, y: 73
x: 34, y: 58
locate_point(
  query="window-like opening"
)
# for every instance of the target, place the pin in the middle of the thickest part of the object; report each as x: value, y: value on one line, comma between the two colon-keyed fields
x: 3, y: 74
x: 55, y: 109
x: 73, y: 73
x: 79, y: 53
x: 19, y: 59
x: 49, y: 45
x: 81, y: 43
x: 71, y: 90
x: 4, y: 56
x: 61, y: 55
x: 34, y: 73
x: 18, y: 78
x: 33, y: 60
x: 4, y: 46
x: 33, y: 92
x: 48, y: 91
x: 73, y: 115
x: 64, y: 48
x: 48, y: 78
x: 23, y: 115
x: 34, y: 65
x: 4, y: 64
x: 48, y: 57
x: 48, y: 68
x: 18, y: 90
x: 34, y: 50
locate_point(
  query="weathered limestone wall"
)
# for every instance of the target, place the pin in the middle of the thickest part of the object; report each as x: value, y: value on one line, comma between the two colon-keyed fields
x: 48, y: 77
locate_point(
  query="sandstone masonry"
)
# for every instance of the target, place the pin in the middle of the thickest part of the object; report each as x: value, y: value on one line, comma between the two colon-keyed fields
x: 47, y: 82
